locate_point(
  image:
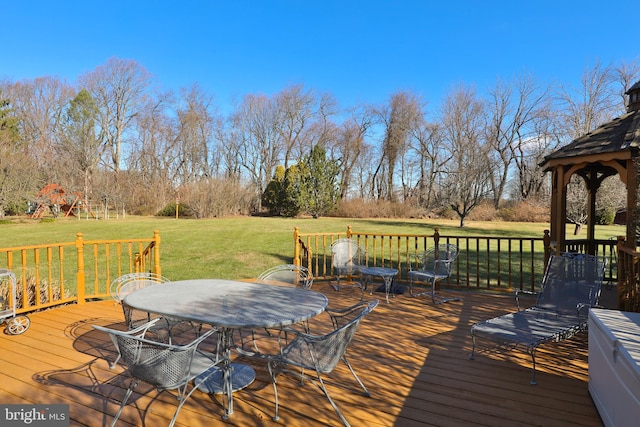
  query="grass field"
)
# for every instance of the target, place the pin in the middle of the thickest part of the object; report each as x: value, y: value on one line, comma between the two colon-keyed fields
x: 242, y: 247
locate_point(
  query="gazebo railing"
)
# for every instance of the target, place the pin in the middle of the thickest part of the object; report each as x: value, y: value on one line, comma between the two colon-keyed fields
x: 628, y: 278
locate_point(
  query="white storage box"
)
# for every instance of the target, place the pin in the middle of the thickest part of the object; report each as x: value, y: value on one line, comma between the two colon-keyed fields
x: 614, y: 366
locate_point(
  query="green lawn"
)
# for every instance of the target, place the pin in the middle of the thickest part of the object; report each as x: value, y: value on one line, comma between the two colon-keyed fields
x: 242, y: 247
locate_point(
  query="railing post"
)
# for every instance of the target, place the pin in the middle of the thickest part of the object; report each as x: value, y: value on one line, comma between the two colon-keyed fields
x: 156, y: 253
x: 349, y: 231
x: 296, y: 246
x: 546, y: 243
x: 436, y: 237
x: 623, y: 273
x: 80, y: 276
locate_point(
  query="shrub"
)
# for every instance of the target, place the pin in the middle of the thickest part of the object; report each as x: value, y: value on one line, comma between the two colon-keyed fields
x: 483, y: 212
x: 170, y: 210
x: 607, y: 216
x: 359, y: 208
x: 32, y: 288
x: 524, y: 211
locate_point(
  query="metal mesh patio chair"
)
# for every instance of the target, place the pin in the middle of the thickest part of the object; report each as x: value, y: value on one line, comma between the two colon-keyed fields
x: 282, y: 275
x: 320, y: 354
x: 287, y: 275
x: 342, y: 316
x: 347, y: 257
x: 165, y: 366
x: 125, y: 284
x: 571, y: 284
x: 433, y: 265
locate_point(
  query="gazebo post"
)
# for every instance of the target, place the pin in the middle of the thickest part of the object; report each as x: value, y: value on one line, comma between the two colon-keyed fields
x: 558, y: 209
x: 632, y: 201
x: 592, y: 186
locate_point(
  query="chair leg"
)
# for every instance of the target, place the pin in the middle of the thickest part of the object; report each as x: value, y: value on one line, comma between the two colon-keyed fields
x: 183, y: 395
x: 473, y: 347
x: 346, y: 362
x: 133, y: 384
x: 333, y: 404
x: 336, y: 287
x: 437, y: 299
x: 533, y: 359
x: 419, y: 293
x: 275, y: 389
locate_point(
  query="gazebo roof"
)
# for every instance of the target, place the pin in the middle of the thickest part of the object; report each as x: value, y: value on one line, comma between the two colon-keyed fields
x: 619, y: 135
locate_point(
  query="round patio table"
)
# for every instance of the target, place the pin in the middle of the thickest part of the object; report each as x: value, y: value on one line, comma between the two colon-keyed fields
x: 229, y: 305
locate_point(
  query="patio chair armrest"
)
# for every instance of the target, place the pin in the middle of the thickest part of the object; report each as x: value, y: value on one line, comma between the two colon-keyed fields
x: 139, y: 332
x: 300, y: 335
x: 580, y: 309
x: 517, y: 296
x: 340, y: 316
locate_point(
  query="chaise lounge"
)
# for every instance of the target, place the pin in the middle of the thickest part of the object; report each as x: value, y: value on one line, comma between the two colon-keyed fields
x: 571, y: 285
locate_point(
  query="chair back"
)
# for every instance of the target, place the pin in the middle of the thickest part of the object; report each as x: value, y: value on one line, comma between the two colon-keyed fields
x: 323, y: 353
x: 571, y: 281
x: 164, y: 366
x: 347, y: 256
x: 439, y: 259
x: 124, y: 285
x: 287, y: 275
x: 127, y: 283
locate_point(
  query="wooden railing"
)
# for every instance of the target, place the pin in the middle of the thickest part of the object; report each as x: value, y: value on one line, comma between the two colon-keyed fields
x: 74, y: 272
x: 628, y: 278
x: 491, y: 263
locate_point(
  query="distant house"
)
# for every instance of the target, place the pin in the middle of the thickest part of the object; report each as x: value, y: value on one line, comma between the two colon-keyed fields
x: 621, y: 217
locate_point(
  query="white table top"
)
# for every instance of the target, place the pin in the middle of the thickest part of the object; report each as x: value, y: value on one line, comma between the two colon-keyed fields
x: 228, y: 303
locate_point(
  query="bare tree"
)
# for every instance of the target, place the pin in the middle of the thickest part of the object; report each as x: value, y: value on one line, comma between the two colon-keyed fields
x: 350, y: 145
x: 40, y: 104
x: 529, y: 152
x: 577, y: 199
x: 400, y: 117
x: 466, y: 181
x: 589, y: 105
x: 119, y: 88
x: 230, y: 143
x: 429, y: 145
x: 511, y: 108
x: 626, y: 74
x: 258, y: 136
x: 295, y: 107
x: 197, y: 124
x: 154, y: 154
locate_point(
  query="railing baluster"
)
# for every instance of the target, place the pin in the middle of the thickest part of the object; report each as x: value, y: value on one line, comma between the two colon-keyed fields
x: 40, y: 266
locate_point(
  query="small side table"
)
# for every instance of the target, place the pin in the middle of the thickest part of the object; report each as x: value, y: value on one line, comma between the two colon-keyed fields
x: 387, y: 274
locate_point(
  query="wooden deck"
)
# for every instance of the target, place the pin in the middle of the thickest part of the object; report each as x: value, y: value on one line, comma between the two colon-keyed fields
x: 412, y: 356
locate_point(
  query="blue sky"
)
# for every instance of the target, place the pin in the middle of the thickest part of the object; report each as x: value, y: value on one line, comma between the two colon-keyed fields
x: 360, y: 51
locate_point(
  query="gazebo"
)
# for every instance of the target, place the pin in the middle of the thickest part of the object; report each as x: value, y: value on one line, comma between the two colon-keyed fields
x: 611, y: 149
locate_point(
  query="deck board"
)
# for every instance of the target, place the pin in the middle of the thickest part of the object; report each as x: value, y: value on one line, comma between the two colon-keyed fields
x: 412, y: 356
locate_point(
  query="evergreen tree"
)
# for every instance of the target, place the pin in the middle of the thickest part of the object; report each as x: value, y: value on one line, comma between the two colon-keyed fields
x: 282, y: 192
x: 319, y: 186
x: 80, y: 146
x: 17, y: 175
